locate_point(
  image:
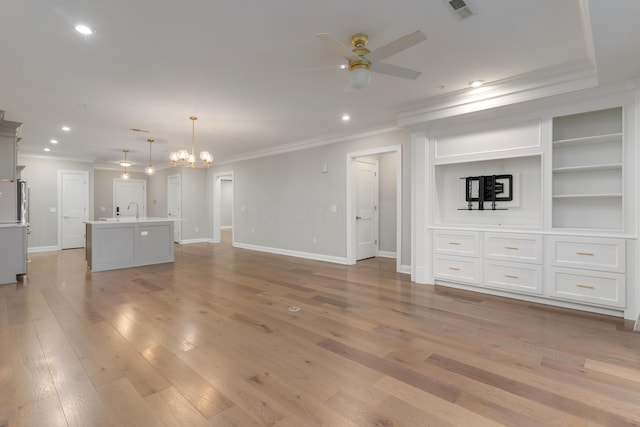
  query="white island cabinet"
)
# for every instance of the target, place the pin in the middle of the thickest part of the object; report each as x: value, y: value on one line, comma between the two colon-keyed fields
x: 128, y: 242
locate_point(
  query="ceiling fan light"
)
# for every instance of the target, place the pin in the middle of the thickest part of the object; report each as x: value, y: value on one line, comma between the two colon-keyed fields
x: 359, y: 77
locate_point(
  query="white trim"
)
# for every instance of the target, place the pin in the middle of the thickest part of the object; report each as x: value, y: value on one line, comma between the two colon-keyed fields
x: 22, y: 154
x: 405, y: 269
x: 190, y: 241
x: 308, y: 143
x: 217, y: 202
x: 564, y: 78
x: 226, y: 227
x: 351, y: 220
x: 43, y: 249
x: 178, y: 222
x: 386, y: 254
x: 297, y: 254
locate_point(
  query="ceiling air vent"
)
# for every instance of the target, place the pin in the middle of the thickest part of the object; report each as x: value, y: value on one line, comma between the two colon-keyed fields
x: 459, y: 8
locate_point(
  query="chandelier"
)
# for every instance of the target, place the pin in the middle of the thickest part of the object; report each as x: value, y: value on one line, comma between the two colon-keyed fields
x: 186, y: 159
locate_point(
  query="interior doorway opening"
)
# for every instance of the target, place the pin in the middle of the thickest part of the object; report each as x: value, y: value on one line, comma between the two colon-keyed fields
x: 385, y: 196
x: 223, y: 212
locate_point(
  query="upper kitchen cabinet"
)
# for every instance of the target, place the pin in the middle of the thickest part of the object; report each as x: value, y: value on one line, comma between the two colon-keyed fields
x: 8, y: 140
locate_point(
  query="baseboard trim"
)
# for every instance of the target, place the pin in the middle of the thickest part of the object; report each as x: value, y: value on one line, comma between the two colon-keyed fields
x: 386, y: 254
x: 42, y: 249
x: 226, y: 227
x: 297, y: 254
x: 189, y: 241
x: 406, y: 269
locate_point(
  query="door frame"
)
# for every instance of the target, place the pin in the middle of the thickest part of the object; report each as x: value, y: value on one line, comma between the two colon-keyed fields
x: 142, y: 209
x: 176, y: 224
x: 61, y: 172
x: 351, y: 202
x: 217, y: 204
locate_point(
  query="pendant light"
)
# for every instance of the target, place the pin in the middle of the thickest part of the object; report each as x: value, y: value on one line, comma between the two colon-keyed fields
x: 149, y: 170
x: 125, y: 163
x: 184, y: 159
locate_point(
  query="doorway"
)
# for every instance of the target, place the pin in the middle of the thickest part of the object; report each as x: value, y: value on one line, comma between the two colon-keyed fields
x: 352, y: 238
x: 73, y: 208
x: 129, y: 198
x: 174, y: 205
x: 223, y: 195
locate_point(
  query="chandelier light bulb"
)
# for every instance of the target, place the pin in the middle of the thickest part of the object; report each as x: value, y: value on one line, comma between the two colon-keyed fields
x: 149, y: 170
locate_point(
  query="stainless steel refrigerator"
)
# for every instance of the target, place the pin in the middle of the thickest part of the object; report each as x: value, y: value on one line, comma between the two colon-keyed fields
x: 14, y: 201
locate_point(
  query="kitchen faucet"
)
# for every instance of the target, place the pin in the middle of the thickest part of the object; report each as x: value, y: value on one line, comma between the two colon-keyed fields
x: 137, y: 209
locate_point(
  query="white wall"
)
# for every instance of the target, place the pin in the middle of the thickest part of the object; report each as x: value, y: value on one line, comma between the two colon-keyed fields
x: 41, y: 175
x: 283, y: 201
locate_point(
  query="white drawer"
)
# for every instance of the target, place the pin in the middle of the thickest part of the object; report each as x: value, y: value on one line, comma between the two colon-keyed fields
x: 465, y: 243
x: 457, y: 269
x: 589, y: 253
x: 514, y: 277
x: 598, y: 288
x: 513, y: 247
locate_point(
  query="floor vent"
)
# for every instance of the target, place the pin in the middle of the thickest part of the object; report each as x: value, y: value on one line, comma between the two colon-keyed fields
x: 459, y: 8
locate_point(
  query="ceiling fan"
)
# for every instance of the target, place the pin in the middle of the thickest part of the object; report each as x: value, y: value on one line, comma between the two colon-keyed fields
x: 362, y: 60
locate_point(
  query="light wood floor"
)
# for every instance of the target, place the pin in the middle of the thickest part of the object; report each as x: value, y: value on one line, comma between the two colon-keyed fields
x: 209, y: 341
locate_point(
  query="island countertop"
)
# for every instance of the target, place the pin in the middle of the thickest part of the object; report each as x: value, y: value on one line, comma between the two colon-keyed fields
x: 129, y: 219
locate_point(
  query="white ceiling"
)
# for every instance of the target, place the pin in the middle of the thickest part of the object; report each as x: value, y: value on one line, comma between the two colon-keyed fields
x: 255, y: 73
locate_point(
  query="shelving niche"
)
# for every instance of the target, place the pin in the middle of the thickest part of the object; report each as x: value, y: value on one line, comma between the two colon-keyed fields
x: 587, y: 173
x: 523, y: 211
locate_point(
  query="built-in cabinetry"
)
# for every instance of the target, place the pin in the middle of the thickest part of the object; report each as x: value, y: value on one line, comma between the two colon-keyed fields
x: 569, y: 236
x: 584, y: 270
x: 588, y: 170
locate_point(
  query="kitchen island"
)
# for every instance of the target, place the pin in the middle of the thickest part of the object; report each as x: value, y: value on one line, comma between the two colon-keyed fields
x: 114, y: 243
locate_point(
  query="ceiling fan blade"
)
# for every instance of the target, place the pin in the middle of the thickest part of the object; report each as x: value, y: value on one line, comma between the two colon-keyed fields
x: 395, y: 71
x: 397, y: 46
x: 334, y: 44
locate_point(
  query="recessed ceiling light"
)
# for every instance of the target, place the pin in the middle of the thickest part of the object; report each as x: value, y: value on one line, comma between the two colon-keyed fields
x: 343, y: 67
x: 54, y: 141
x: 346, y: 118
x: 47, y: 149
x: 83, y: 29
x: 476, y: 83
x: 66, y: 128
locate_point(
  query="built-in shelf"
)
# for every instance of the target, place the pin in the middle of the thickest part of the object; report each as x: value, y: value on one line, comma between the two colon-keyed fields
x: 587, y: 172
x: 589, y: 168
x: 586, y: 140
x: 583, y: 196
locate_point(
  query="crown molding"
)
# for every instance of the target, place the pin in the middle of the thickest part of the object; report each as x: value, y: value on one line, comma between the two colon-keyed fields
x: 564, y: 78
x: 49, y: 157
x: 308, y: 143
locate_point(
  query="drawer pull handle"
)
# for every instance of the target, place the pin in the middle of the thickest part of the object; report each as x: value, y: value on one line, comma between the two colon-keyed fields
x: 454, y: 243
x: 511, y: 276
x: 454, y: 268
x: 585, y: 253
x: 513, y: 248
x: 585, y: 286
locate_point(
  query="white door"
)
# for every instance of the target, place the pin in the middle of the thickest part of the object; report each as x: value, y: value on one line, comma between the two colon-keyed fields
x: 366, y: 180
x: 173, y: 204
x: 74, y: 208
x: 129, y: 197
